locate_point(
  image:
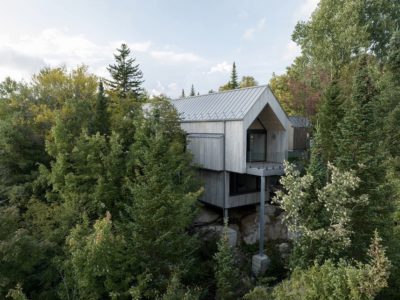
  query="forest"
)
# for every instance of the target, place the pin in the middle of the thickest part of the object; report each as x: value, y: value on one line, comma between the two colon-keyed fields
x: 98, y: 194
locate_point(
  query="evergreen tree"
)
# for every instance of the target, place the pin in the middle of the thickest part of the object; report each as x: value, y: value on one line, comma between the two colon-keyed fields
x: 164, y: 194
x: 234, y: 84
x: 101, y: 118
x: 329, y: 117
x: 225, y: 271
x: 192, y: 91
x: 358, y: 150
x: 126, y: 75
x: 183, y: 94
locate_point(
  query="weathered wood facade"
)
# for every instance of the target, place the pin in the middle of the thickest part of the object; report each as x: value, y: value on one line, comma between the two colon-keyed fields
x: 235, y: 137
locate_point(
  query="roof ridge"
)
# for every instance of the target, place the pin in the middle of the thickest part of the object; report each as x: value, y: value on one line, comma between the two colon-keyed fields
x: 222, y: 92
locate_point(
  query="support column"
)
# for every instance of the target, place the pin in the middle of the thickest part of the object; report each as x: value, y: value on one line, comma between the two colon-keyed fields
x: 260, y: 261
x: 226, y: 195
x: 262, y: 215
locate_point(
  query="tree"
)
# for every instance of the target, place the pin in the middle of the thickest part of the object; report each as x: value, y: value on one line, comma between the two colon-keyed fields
x: 192, y: 91
x: 319, y: 218
x: 96, y: 266
x: 233, y: 82
x: 101, y: 118
x: 225, y: 271
x: 339, y: 281
x: 163, y: 197
x: 234, y: 78
x: 183, y: 94
x: 126, y: 76
x: 248, y: 81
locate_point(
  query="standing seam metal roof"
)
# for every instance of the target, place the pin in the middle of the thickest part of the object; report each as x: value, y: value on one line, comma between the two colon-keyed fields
x: 227, y: 105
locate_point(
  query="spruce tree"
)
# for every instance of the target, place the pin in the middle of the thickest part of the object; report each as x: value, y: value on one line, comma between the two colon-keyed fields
x: 192, y: 91
x: 358, y: 150
x: 101, y: 118
x: 164, y: 194
x: 225, y: 271
x: 234, y: 84
x: 329, y: 117
x: 126, y: 75
x: 183, y: 94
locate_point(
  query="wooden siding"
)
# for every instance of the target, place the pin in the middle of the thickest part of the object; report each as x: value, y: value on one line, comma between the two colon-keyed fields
x: 244, y: 199
x: 207, y: 150
x: 203, y: 127
x: 213, y: 183
x: 235, y: 148
x: 299, y: 138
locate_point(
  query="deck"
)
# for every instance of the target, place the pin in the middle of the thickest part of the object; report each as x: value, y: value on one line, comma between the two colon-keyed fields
x: 265, y: 168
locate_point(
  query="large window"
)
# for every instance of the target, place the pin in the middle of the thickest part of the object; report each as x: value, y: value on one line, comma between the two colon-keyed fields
x: 256, y: 145
x: 243, y: 184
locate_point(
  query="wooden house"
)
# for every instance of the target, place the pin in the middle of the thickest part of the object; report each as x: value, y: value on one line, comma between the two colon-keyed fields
x: 238, y: 139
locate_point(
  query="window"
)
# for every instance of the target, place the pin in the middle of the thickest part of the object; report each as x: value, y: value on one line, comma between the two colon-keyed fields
x: 256, y: 145
x: 243, y: 184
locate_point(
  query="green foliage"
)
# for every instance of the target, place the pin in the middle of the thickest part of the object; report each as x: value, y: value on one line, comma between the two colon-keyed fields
x: 101, y: 118
x: 176, y: 291
x: 247, y: 81
x: 126, y: 76
x: 233, y: 82
x: 225, y: 269
x: 258, y: 293
x: 319, y: 218
x: 162, y: 207
x: 96, y: 264
x: 339, y: 281
x: 17, y: 293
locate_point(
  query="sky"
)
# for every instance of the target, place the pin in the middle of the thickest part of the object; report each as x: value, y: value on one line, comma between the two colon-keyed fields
x: 177, y: 43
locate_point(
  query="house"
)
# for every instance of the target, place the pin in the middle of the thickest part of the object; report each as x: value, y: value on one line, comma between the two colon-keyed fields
x: 239, y: 140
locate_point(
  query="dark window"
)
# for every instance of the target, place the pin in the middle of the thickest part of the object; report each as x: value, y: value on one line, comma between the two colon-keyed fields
x: 243, y: 184
x: 256, y: 145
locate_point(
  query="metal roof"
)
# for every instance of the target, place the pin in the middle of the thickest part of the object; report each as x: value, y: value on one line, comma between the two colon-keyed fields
x: 227, y: 105
x: 298, y: 121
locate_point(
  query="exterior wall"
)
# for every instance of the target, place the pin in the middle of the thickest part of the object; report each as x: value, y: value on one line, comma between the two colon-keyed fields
x: 235, y: 148
x: 244, y: 199
x: 203, y: 127
x: 290, y: 138
x: 300, y: 138
x: 207, y: 150
x: 213, y: 183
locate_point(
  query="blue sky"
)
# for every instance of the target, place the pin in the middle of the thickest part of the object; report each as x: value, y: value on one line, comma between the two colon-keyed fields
x: 176, y: 42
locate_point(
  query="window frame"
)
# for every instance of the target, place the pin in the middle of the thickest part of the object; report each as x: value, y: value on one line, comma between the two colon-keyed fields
x: 256, y: 131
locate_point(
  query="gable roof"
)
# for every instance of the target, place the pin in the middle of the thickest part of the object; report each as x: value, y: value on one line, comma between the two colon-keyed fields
x: 221, y: 106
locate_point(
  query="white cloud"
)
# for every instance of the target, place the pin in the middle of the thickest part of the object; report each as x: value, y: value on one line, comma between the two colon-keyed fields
x: 160, y: 89
x: 306, y: 9
x: 292, y: 51
x: 223, y: 67
x: 250, y: 32
x: 176, y: 57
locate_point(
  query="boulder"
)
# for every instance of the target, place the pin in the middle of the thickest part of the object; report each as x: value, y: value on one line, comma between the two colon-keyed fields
x: 212, y: 231
x: 250, y: 228
x: 206, y: 216
x: 276, y: 231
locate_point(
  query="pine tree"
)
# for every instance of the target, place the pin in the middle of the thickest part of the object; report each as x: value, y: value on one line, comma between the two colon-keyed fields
x: 126, y: 75
x: 225, y: 271
x: 101, y: 118
x: 192, y: 91
x: 183, y: 94
x: 234, y: 84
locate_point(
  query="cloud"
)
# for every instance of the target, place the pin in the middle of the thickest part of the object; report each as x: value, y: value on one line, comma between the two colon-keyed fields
x: 250, y: 32
x: 292, y: 51
x: 160, y: 89
x: 176, y: 57
x: 223, y: 67
x: 306, y: 9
